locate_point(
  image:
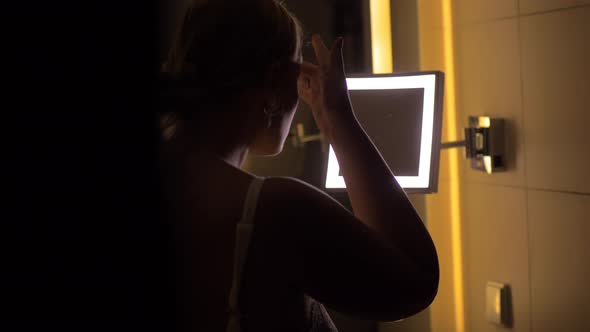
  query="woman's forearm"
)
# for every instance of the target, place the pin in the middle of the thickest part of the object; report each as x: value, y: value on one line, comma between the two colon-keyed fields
x: 376, y: 197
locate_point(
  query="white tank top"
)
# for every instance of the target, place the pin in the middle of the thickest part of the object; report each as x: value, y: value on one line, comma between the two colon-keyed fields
x: 243, y: 234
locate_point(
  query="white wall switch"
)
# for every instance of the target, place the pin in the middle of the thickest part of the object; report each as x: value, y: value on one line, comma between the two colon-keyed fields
x: 498, y: 303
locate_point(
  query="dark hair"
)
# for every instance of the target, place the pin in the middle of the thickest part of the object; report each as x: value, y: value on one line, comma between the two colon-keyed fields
x: 224, y: 47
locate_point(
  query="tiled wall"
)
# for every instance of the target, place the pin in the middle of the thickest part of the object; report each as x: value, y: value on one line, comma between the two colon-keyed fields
x: 527, y: 61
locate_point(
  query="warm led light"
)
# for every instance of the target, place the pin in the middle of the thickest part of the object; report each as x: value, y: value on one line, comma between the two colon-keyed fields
x: 451, y: 112
x: 426, y: 82
x: 487, y: 163
x: 484, y: 122
x: 381, y: 36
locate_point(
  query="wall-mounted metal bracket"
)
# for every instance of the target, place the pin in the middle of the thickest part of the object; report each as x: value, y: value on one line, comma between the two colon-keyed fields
x: 484, y: 144
x: 299, y: 139
x: 450, y: 145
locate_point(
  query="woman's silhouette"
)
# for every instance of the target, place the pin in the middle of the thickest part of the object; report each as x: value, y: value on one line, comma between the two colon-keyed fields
x: 261, y: 254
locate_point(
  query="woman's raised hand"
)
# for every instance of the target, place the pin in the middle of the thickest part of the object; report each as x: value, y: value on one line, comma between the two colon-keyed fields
x: 323, y: 86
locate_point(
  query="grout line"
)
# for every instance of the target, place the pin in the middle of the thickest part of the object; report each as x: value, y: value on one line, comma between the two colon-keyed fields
x: 476, y: 182
x: 525, y: 173
x: 486, y: 21
x: 557, y: 191
x: 518, y: 15
x: 548, y: 11
x: 576, y: 193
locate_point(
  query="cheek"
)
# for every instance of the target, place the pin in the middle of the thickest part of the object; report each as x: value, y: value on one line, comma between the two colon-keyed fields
x: 291, y: 78
x: 287, y: 121
x: 293, y: 94
x: 289, y: 95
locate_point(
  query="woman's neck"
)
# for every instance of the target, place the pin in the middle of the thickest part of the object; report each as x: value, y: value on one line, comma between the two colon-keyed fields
x: 207, y: 151
x: 233, y: 156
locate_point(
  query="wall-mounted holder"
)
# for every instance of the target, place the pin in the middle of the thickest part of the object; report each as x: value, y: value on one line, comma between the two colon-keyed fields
x: 484, y: 144
x: 299, y: 139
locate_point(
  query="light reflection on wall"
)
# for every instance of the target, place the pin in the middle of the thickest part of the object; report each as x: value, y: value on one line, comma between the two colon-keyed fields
x: 453, y: 133
x: 381, y: 36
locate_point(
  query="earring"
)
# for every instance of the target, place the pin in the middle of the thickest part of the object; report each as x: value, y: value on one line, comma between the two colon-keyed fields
x: 270, y: 111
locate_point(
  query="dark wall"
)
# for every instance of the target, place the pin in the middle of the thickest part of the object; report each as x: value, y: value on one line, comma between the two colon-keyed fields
x: 404, y: 32
x: 82, y: 243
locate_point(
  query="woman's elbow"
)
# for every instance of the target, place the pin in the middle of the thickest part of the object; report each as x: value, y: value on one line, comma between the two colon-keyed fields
x: 431, y: 277
x: 423, y: 292
x: 410, y: 298
x: 431, y: 289
x: 431, y: 281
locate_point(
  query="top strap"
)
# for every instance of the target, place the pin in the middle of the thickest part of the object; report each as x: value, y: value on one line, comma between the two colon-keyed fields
x: 251, y: 201
x: 243, y: 235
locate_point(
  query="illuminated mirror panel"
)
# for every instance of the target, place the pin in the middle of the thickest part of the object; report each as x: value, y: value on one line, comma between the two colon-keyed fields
x: 402, y: 114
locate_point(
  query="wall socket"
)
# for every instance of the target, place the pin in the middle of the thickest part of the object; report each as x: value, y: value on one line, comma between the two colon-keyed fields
x: 498, y: 304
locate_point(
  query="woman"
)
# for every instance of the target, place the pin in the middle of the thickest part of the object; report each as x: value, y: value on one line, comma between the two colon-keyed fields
x: 261, y: 254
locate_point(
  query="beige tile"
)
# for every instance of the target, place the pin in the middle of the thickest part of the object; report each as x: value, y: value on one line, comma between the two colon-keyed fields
x: 450, y: 157
x: 444, y: 173
x: 469, y: 11
x: 430, y: 14
x: 495, y: 248
x: 560, y: 261
x: 432, y: 49
x: 556, y: 80
x: 488, y: 66
x: 532, y: 6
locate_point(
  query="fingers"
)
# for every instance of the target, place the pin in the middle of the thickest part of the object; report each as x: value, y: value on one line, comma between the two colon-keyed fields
x: 304, y: 91
x: 308, y: 68
x: 309, y: 77
x: 328, y: 59
x: 308, y: 87
x: 322, y: 53
x: 312, y: 78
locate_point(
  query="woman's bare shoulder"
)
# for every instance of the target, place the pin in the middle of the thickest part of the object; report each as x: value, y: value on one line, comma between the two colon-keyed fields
x: 283, y: 187
x: 292, y: 193
x: 287, y: 200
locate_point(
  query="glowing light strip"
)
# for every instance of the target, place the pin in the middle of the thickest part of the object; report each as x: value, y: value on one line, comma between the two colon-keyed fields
x: 381, y: 36
x: 426, y: 82
x: 455, y: 207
